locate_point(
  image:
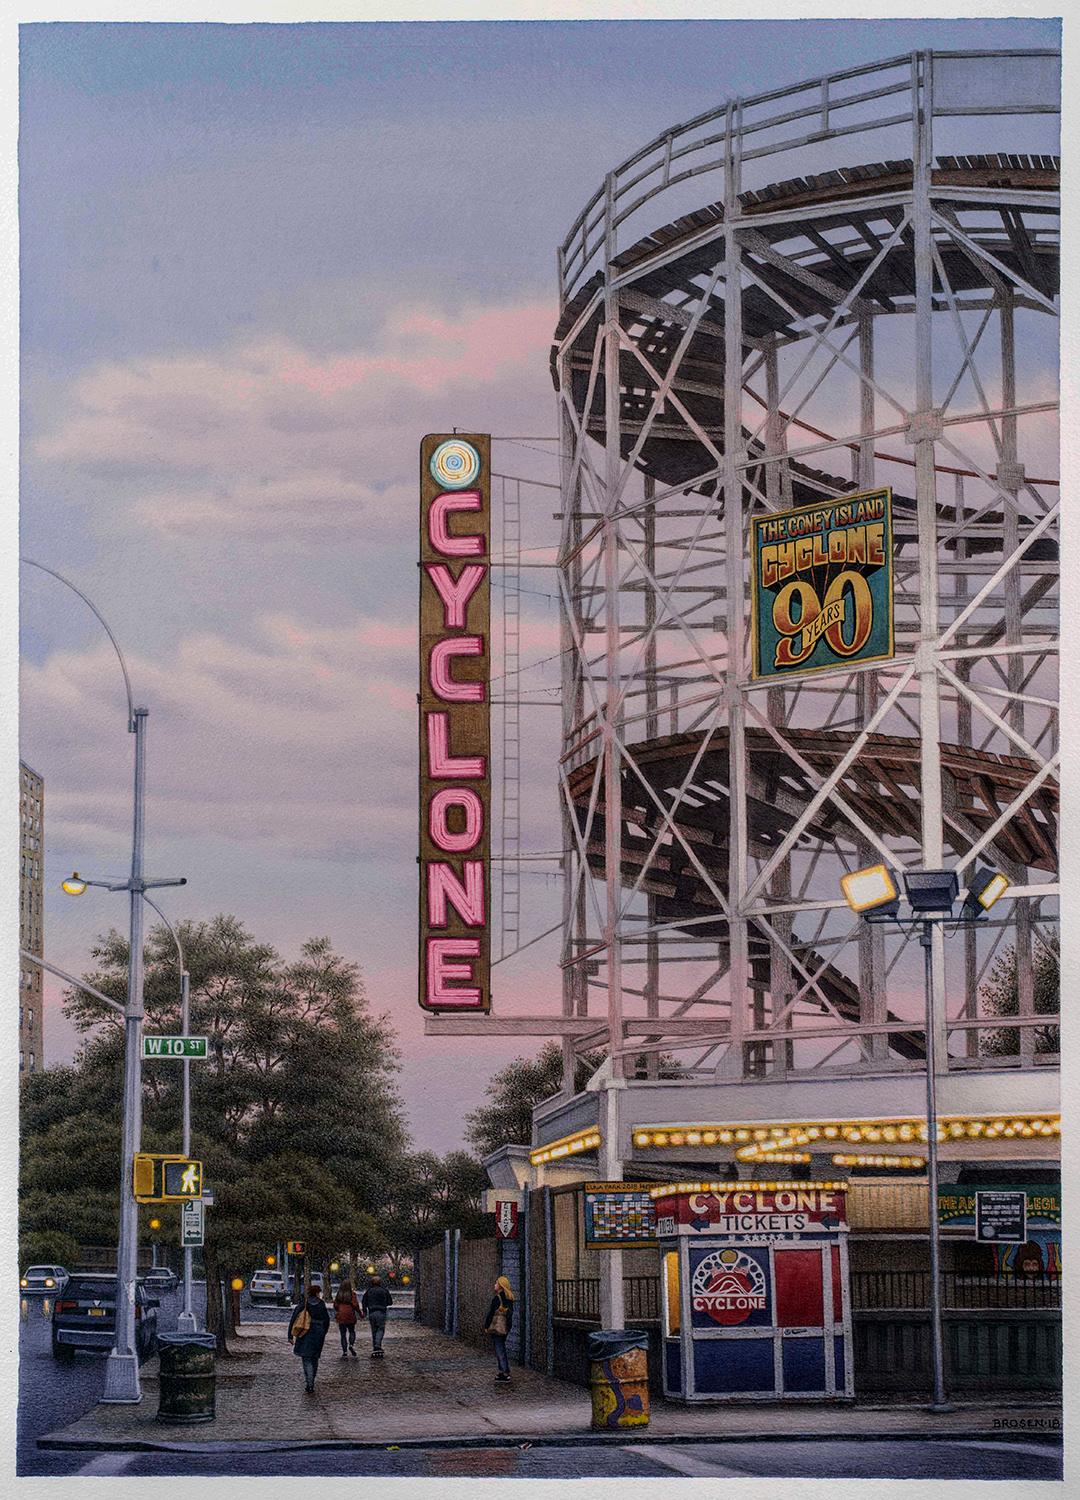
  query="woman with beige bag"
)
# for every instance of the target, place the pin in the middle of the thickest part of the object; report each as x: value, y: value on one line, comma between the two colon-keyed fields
x: 499, y: 1321
x: 307, y: 1332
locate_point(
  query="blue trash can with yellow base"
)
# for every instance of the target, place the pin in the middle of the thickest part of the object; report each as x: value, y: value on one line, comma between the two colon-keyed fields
x: 619, y: 1379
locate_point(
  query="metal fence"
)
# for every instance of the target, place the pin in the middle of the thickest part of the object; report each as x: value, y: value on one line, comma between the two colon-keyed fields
x: 908, y: 1290
x: 581, y: 1299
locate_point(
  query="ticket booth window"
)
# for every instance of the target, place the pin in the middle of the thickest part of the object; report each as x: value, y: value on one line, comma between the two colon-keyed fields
x: 672, y: 1298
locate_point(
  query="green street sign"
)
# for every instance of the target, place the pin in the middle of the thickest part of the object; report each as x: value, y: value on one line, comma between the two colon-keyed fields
x: 177, y: 1047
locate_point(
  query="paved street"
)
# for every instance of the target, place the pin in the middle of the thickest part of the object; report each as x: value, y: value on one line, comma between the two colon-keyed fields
x: 431, y: 1389
x: 52, y: 1394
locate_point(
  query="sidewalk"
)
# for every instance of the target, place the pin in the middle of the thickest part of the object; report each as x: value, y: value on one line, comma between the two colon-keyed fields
x: 435, y: 1391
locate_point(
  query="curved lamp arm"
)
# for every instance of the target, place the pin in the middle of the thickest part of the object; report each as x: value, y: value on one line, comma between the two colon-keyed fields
x: 105, y: 625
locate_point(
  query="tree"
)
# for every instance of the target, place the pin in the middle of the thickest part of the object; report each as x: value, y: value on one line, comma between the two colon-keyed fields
x: 516, y: 1090
x: 433, y: 1194
x: 1001, y: 997
x: 296, y: 1114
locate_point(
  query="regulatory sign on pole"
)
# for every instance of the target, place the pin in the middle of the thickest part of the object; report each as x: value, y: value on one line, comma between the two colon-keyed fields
x: 1001, y: 1217
x: 178, y: 1047
x: 506, y: 1219
x: 192, y: 1222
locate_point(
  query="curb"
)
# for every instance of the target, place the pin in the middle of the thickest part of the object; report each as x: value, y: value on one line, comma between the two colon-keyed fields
x: 517, y: 1440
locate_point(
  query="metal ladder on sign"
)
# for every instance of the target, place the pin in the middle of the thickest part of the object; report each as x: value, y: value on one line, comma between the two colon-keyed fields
x: 510, y: 822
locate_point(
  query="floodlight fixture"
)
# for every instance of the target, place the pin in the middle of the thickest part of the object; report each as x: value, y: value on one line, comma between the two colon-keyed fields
x: 871, y: 890
x: 931, y: 890
x: 984, y: 888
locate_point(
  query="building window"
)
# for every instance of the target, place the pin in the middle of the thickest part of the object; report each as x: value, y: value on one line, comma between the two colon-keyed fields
x: 31, y: 1062
x: 20, y: 1017
x: 30, y: 1023
x: 22, y: 1062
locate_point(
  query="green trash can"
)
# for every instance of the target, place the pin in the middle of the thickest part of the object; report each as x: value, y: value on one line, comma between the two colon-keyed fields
x: 187, y: 1377
x: 619, y: 1378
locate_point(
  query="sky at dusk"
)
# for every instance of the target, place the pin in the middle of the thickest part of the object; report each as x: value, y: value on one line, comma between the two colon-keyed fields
x: 258, y: 263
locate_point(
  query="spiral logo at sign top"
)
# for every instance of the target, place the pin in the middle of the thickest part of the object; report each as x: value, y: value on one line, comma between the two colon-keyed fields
x: 454, y: 464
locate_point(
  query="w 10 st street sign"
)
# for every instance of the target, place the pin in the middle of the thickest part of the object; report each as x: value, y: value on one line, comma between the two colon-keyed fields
x: 177, y: 1047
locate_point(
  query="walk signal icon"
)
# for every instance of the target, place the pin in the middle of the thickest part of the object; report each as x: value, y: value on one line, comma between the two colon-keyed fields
x: 181, y: 1181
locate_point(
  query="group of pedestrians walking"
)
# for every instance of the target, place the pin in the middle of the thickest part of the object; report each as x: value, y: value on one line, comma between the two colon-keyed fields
x: 310, y: 1323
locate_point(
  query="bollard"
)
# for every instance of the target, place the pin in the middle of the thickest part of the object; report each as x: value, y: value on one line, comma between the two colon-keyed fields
x: 619, y: 1378
x: 187, y: 1377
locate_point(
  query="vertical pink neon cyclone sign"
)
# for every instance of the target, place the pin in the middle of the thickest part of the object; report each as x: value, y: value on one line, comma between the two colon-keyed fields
x: 455, y: 722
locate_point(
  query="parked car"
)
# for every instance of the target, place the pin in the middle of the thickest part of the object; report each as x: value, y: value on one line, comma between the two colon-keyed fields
x: 84, y: 1317
x: 161, y: 1279
x: 43, y: 1281
x: 268, y: 1286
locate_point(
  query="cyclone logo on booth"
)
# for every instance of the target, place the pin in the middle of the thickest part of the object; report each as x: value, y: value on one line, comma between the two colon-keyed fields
x: 728, y: 1285
x: 455, y: 464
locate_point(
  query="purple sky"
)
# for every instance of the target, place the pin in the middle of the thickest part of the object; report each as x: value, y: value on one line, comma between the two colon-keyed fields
x: 258, y: 264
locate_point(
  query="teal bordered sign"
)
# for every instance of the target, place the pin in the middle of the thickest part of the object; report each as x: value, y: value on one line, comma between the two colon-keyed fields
x: 821, y: 586
x: 177, y: 1047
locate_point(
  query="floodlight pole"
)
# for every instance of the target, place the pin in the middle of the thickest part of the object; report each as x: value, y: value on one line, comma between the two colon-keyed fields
x: 926, y: 927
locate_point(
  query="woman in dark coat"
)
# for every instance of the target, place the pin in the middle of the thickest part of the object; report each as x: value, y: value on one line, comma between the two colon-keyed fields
x: 308, y: 1345
x: 499, y: 1321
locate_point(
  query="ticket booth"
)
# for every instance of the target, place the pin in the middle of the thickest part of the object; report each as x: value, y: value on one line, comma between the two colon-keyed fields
x: 755, y: 1291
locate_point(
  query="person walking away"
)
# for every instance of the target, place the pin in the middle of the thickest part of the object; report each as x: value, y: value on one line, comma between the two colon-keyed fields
x: 307, y: 1333
x: 346, y: 1310
x: 373, y: 1305
x: 499, y: 1321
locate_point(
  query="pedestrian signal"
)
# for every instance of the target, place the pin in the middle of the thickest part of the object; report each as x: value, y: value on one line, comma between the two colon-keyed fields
x: 295, y: 1247
x: 142, y: 1177
x: 181, y: 1181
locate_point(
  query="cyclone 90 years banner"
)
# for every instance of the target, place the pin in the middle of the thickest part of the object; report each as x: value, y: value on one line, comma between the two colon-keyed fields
x: 455, y: 730
x: 821, y: 585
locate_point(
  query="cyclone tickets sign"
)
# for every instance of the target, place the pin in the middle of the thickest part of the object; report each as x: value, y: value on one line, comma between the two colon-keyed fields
x: 755, y: 1212
x: 730, y: 1286
x: 455, y: 728
x: 821, y: 585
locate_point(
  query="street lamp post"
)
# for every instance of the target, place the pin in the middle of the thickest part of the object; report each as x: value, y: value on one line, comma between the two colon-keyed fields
x: 186, y: 1321
x: 122, y: 1368
x: 931, y: 895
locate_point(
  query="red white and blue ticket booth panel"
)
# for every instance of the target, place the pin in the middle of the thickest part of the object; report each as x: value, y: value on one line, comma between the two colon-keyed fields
x: 755, y: 1292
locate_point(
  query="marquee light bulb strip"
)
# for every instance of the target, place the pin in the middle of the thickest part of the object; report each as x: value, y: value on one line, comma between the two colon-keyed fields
x: 842, y: 1160
x: 669, y: 1189
x: 761, y: 1142
x: 567, y: 1145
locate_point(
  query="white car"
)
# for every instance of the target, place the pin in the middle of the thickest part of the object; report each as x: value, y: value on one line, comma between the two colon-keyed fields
x: 268, y: 1286
x: 43, y: 1281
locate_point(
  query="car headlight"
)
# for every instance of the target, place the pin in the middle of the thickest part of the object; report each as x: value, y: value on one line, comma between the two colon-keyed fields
x: 23, y: 1281
x: 49, y: 1281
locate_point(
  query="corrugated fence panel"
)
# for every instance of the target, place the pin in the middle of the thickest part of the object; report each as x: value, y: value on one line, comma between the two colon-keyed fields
x: 477, y: 1270
x: 538, y: 1310
x: 432, y: 1284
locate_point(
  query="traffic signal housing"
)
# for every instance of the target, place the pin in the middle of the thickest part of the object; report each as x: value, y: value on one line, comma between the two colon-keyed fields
x: 163, y: 1178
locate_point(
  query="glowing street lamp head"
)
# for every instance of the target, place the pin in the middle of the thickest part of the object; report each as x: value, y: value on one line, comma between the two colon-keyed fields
x: 73, y: 886
x: 271, y: 1260
x: 870, y: 889
x: 155, y: 1223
